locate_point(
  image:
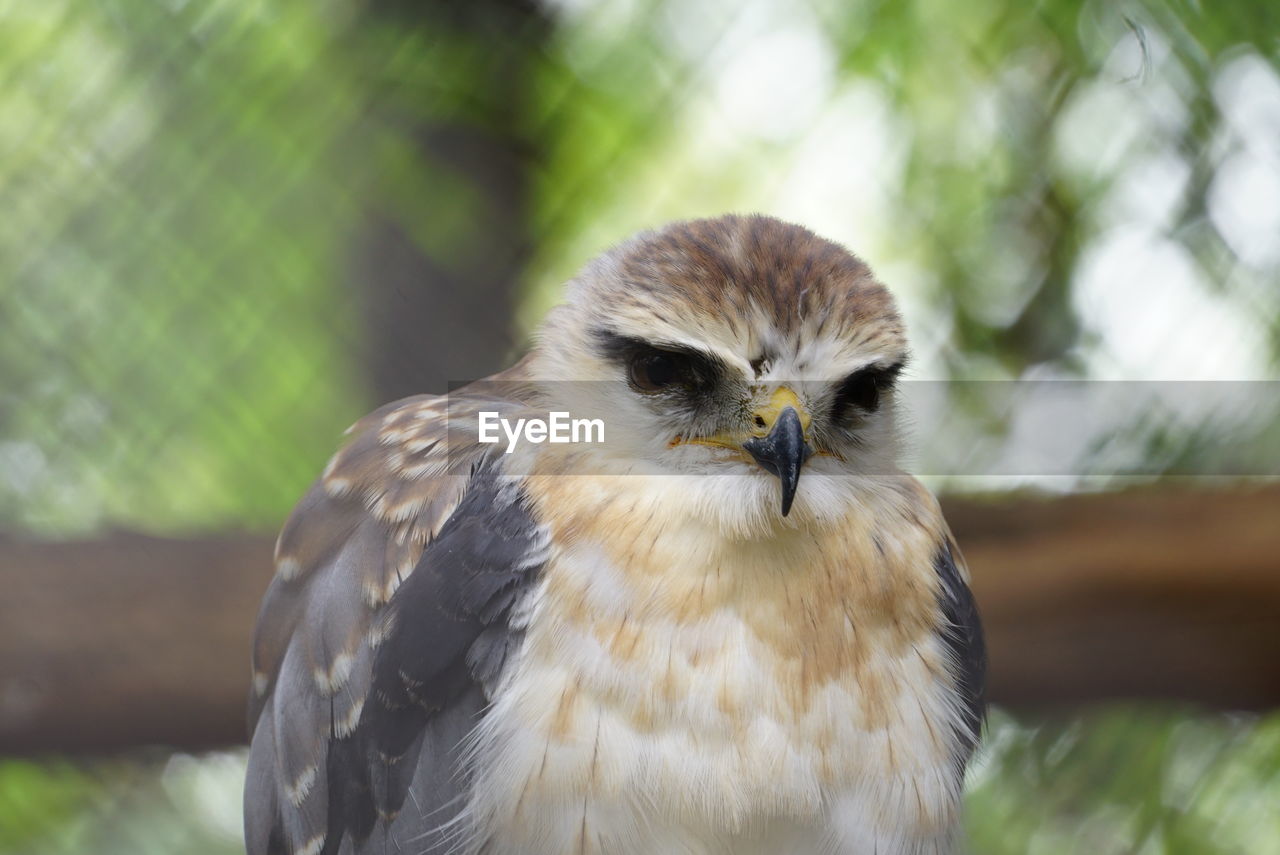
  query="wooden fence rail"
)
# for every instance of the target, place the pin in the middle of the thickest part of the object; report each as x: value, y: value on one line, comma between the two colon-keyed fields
x: 129, y: 640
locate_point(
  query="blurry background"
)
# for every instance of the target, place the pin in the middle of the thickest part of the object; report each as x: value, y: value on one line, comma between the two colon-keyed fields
x: 230, y: 227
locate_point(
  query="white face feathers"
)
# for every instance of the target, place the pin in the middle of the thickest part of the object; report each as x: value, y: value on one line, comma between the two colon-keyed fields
x: 748, y: 361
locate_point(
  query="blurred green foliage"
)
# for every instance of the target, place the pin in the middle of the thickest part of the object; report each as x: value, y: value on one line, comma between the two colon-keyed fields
x: 149, y: 804
x: 1057, y: 188
x: 1061, y: 188
x: 169, y: 308
x: 1121, y: 779
x: 1127, y: 779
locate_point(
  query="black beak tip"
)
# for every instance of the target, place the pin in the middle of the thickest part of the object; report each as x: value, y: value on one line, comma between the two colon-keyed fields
x: 783, y: 452
x: 788, y: 496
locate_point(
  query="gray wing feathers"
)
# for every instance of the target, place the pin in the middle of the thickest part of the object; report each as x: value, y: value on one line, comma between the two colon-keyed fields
x: 445, y: 627
x: 319, y: 779
x: 434, y: 791
x: 261, y: 805
x: 966, y: 647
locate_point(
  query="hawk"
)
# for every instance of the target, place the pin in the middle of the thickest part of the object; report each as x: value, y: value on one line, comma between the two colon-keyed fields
x: 732, y: 626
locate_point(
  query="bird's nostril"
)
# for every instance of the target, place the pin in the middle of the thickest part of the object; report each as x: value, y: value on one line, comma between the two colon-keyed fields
x: 759, y: 421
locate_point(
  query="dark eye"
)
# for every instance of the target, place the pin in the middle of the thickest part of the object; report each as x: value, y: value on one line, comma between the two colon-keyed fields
x: 655, y: 370
x: 862, y: 389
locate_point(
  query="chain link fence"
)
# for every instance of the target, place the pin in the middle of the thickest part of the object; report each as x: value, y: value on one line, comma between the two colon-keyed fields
x: 231, y: 227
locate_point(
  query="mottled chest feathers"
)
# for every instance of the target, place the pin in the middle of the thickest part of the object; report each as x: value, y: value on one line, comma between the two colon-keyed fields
x: 727, y: 687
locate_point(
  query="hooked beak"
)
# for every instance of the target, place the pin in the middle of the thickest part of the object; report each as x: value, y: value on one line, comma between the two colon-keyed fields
x: 777, y: 444
x: 783, y: 450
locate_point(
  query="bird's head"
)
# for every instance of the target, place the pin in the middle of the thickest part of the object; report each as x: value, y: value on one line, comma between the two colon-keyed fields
x: 744, y: 351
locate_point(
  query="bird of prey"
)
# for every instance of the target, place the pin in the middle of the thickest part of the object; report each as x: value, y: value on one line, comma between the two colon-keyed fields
x: 731, y: 625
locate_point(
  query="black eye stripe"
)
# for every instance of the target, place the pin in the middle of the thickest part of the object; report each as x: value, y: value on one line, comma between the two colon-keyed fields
x: 661, y: 366
x: 862, y: 389
x: 625, y: 350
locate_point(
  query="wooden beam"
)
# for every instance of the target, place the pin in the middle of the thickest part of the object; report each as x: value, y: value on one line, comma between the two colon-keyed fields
x: 127, y: 640
x: 131, y: 640
x: 1169, y: 593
